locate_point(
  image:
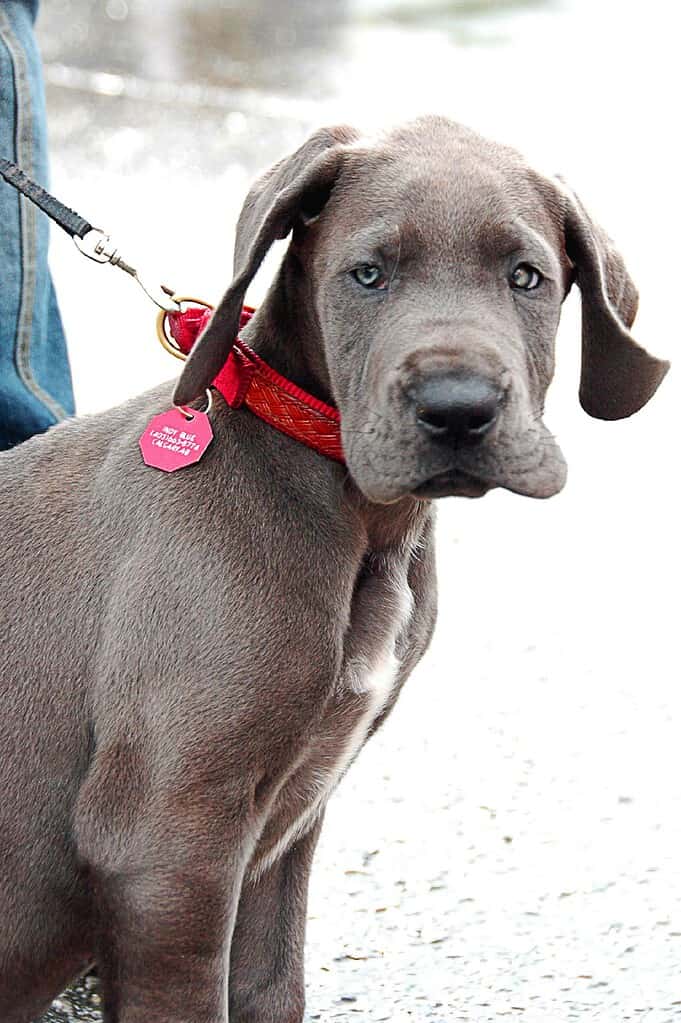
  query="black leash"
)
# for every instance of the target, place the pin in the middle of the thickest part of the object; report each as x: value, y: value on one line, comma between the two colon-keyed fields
x: 71, y: 221
x: 89, y: 240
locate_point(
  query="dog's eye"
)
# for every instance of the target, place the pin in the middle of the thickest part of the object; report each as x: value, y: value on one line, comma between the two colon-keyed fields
x: 369, y: 276
x: 525, y: 277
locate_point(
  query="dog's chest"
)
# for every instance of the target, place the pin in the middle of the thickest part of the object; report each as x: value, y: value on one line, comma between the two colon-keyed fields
x: 381, y: 613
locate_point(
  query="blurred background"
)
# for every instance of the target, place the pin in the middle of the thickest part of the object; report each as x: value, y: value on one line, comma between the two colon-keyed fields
x: 509, y: 844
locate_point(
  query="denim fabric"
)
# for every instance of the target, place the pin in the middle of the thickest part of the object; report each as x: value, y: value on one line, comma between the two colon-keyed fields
x: 35, y: 380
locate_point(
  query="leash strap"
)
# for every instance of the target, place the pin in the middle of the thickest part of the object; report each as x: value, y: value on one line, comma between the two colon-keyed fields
x: 67, y: 218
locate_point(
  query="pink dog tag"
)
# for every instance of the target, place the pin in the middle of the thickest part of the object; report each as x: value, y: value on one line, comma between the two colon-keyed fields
x: 172, y: 440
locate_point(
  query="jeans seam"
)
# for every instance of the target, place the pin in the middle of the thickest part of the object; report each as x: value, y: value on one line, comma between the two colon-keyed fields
x: 27, y: 220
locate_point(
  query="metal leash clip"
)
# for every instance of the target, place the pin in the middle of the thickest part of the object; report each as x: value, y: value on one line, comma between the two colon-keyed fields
x: 90, y: 241
x: 98, y: 246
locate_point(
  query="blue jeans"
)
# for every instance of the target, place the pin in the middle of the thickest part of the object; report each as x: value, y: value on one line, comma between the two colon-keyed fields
x: 35, y: 379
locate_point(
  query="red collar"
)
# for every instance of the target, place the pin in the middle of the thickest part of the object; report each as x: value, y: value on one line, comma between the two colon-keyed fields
x: 246, y: 379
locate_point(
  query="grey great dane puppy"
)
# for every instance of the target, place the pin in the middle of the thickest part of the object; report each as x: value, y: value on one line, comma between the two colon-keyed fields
x: 190, y: 662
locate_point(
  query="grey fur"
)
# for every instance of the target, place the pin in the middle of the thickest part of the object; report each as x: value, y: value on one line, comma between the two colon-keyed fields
x: 182, y: 655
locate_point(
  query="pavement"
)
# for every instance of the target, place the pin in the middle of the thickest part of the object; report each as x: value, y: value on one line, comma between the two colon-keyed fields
x: 509, y: 845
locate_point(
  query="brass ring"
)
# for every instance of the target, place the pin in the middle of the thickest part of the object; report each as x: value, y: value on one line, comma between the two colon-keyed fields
x: 167, y: 342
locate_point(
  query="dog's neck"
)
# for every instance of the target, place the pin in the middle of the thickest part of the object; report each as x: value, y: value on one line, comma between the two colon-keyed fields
x: 285, y: 332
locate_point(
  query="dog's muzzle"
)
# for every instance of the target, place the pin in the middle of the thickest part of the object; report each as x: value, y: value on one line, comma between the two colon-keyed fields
x: 454, y: 410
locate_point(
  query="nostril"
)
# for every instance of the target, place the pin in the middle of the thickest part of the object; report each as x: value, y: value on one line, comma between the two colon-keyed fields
x: 435, y: 421
x: 481, y: 423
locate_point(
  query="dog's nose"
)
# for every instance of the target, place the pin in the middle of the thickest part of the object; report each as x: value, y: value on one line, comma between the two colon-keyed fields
x: 456, y: 406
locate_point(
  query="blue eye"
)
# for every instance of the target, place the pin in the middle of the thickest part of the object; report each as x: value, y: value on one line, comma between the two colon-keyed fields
x: 369, y: 276
x: 525, y: 277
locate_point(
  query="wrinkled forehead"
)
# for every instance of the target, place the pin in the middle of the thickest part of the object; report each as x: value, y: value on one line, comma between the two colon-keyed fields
x: 444, y: 193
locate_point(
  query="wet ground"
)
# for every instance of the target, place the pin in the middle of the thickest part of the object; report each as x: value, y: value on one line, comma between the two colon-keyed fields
x: 509, y: 846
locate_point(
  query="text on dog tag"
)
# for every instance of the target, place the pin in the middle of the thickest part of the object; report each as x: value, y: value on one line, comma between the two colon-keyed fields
x: 173, y: 440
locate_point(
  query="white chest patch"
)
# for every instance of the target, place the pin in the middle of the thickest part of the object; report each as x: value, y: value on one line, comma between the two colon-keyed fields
x: 375, y: 682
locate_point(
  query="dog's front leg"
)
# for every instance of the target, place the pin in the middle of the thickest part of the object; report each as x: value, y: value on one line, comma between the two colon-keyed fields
x: 163, y: 958
x: 165, y: 885
x: 266, y: 978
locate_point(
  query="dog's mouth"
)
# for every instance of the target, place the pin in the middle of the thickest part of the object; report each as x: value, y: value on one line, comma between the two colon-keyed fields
x: 527, y: 462
x: 452, y: 483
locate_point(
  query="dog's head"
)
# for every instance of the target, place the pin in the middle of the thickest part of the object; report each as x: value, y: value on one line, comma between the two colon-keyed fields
x: 433, y: 265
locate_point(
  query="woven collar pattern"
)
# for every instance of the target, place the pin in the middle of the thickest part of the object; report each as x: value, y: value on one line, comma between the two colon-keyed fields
x: 247, y: 380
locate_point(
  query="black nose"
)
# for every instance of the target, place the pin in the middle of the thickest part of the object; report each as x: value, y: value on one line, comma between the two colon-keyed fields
x: 456, y: 406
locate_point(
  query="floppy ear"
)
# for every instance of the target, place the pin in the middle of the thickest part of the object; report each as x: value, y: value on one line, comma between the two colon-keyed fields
x: 618, y: 376
x: 295, y: 188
